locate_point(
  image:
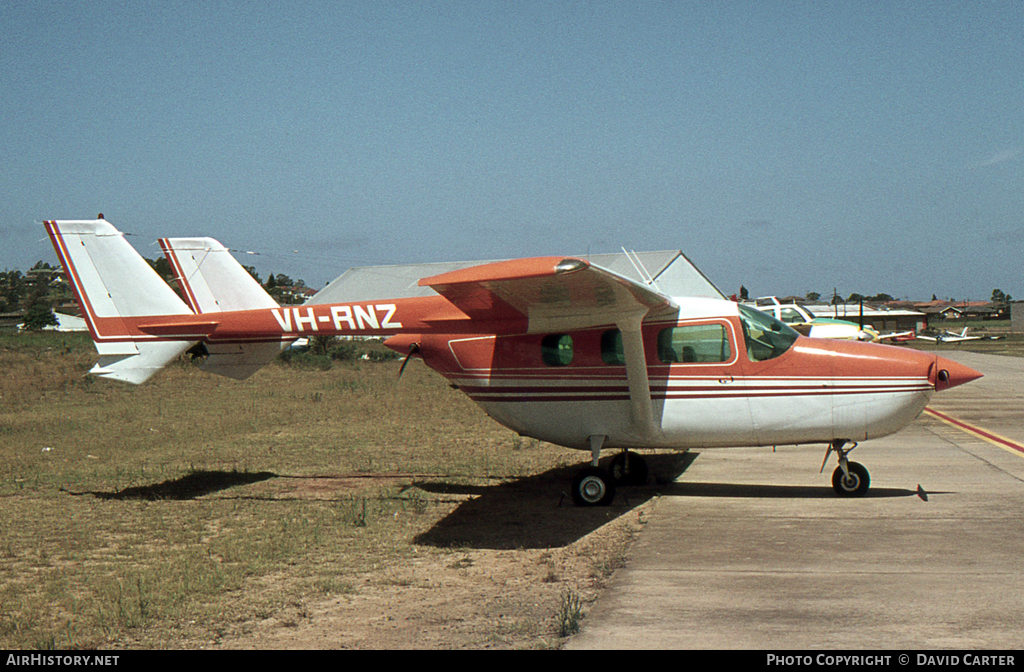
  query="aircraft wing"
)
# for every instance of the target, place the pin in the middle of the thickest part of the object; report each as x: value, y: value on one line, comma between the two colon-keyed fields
x: 554, y: 293
x: 563, y: 294
x: 898, y: 336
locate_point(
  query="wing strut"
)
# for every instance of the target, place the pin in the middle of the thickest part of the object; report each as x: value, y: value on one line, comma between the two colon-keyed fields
x: 641, y: 410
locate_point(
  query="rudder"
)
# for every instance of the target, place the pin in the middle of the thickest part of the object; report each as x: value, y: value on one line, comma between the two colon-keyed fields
x: 114, y: 284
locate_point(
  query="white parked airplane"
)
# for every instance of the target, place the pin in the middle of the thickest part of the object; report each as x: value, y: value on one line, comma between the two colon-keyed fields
x: 809, y: 324
x: 555, y: 348
x: 954, y: 337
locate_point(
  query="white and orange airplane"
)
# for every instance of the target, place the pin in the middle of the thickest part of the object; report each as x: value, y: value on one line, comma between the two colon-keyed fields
x: 553, y: 348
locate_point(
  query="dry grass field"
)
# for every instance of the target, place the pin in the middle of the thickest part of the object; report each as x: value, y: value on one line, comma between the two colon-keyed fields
x: 301, y: 508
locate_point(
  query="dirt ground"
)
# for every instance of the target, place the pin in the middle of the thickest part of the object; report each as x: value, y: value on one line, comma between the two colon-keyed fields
x: 512, y: 565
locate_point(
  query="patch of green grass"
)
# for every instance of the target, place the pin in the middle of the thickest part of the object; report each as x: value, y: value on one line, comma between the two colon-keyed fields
x: 570, y: 613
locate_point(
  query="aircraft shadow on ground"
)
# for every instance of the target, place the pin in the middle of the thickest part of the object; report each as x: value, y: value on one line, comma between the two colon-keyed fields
x: 538, y: 512
x: 533, y: 512
x: 192, y: 485
x: 771, y: 491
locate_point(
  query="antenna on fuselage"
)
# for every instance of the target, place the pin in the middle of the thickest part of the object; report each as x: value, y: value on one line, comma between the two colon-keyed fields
x: 640, y: 269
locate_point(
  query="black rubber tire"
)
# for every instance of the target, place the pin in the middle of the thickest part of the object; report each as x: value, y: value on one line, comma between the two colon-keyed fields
x: 637, y: 473
x: 856, y: 485
x: 593, y: 486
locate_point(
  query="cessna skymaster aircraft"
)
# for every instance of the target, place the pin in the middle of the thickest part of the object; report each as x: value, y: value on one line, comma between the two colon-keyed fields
x: 554, y: 348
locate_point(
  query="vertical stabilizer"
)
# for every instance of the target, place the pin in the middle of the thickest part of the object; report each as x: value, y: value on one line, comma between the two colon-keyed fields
x: 113, y: 285
x: 213, y: 281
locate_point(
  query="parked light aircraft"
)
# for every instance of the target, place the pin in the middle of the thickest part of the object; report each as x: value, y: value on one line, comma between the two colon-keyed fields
x: 554, y: 348
x: 809, y: 324
x: 954, y: 337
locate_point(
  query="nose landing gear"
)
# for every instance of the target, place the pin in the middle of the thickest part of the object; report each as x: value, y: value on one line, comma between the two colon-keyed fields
x: 593, y: 486
x: 850, y: 479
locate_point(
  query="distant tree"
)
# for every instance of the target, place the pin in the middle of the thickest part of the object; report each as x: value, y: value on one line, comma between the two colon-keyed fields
x: 271, y: 282
x: 162, y: 268
x: 253, y: 273
x: 999, y: 298
x: 743, y: 293
x: 883, y: 298
x: 12, y: 289
x: 812, y: 296
x: 39, y: 311
x: 321, y: 345
x: 855, y: 298
x: 934, y: 298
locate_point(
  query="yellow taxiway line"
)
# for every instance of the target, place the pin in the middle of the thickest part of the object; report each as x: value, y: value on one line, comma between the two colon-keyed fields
x: 1006, y: 444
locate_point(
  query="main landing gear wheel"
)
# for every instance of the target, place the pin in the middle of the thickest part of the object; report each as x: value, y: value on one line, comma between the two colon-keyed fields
x: 853, y: 485
x: 628, y: 468
x: 593, y: 486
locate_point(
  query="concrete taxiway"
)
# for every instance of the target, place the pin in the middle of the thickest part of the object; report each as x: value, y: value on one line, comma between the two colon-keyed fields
x: 750, y: 549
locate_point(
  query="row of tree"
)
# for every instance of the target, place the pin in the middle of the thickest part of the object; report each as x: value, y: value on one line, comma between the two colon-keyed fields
x: 1000, y: 300
x: 30, y: 294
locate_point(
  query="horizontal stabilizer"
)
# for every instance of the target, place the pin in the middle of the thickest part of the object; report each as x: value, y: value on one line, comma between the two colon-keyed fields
x: 139, y: 367
x: 187, y: 328
x: 240, y: 360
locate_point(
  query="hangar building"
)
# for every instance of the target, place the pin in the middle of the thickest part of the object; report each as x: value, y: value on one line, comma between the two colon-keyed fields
x: 671, y: 271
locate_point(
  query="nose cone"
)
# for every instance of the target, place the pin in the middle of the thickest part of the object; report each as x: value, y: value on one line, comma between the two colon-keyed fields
x: 948, y: 373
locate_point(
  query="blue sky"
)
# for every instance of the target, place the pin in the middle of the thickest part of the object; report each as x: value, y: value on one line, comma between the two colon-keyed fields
x: 788, y: 147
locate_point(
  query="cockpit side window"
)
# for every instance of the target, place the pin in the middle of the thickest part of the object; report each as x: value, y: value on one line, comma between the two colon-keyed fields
x: 692, y: 344
x: 766, y: 337
x: 556, y: 349
x: 791, y: 315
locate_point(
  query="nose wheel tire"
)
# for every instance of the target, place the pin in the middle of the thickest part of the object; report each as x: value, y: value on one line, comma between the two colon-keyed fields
x: 854, y: 485
x: 593, y: 486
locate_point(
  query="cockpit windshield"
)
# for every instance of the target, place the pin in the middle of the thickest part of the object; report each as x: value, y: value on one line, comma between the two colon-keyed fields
x: 766, y: 337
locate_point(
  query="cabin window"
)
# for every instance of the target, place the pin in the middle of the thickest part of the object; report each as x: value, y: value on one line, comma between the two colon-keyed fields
x: 698, y: 344
x: 766, y: 337
x: 611, y: 348
x: 791, y: 315
x: 556, y: 349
